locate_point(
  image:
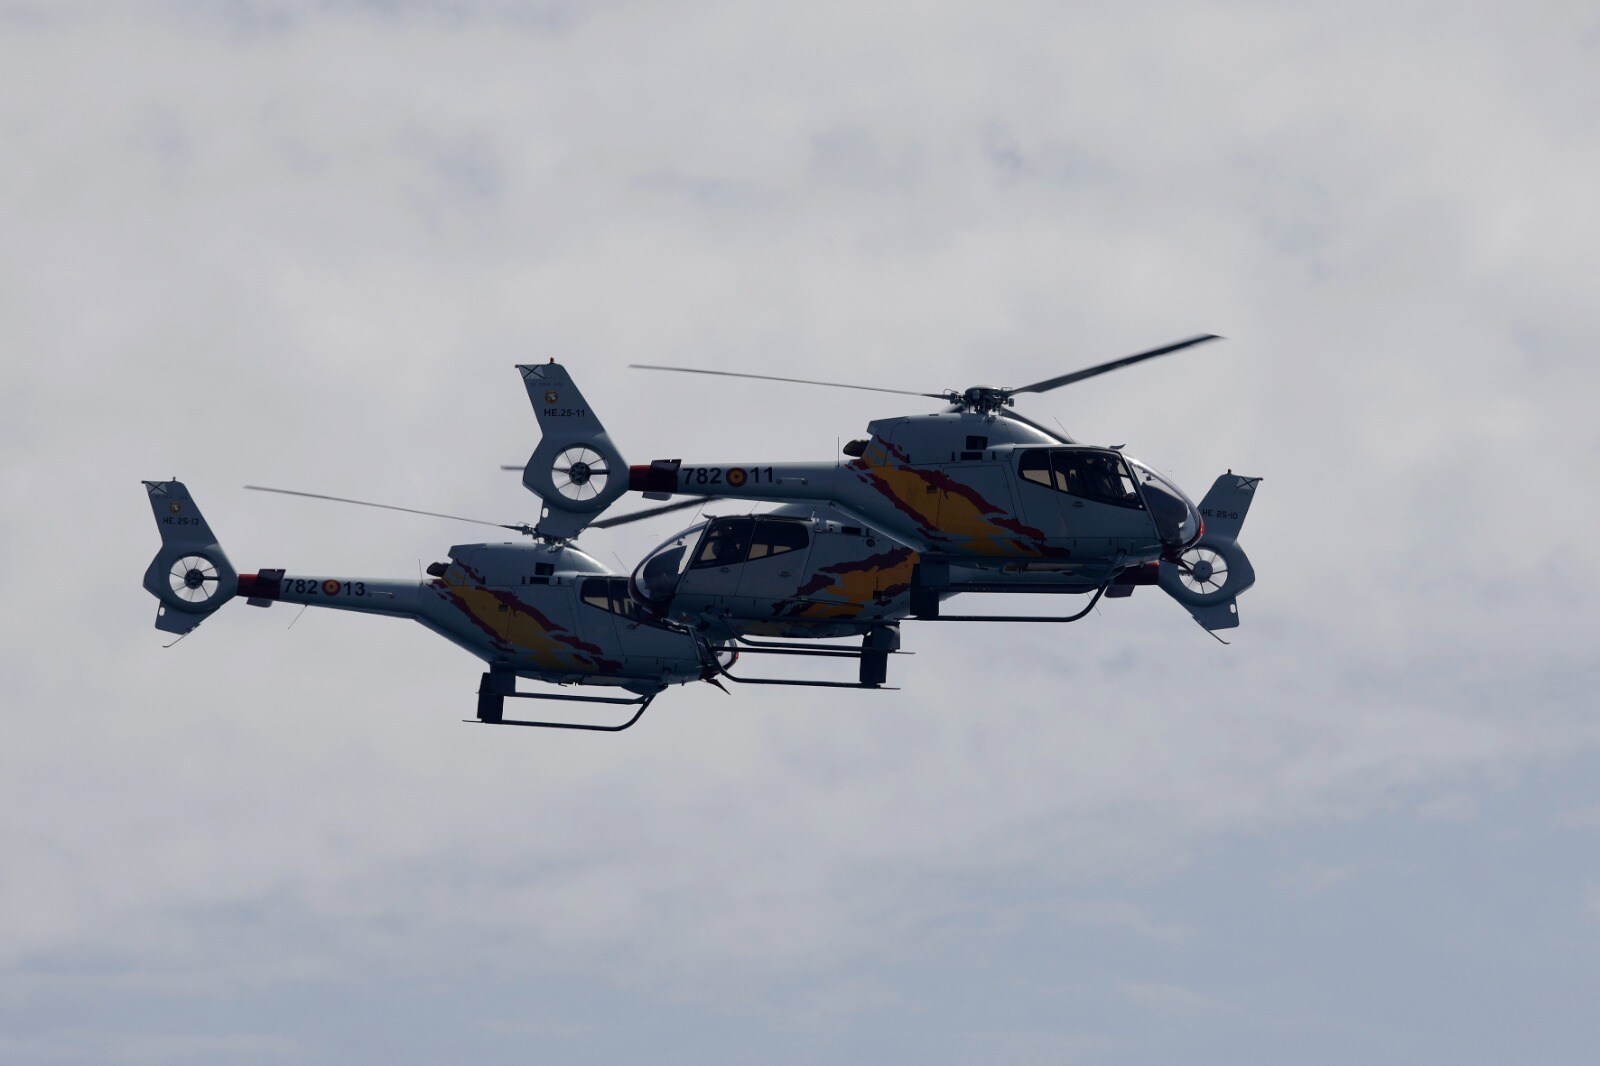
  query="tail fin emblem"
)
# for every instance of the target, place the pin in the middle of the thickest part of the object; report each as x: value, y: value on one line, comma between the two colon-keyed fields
x: 551, y: 396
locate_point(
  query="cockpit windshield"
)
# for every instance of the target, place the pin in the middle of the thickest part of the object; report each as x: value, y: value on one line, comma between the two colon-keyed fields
x: 655, y: 579
x: 1177, y: 520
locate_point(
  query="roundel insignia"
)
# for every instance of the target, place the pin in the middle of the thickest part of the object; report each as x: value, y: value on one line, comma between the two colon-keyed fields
x: 330, y: 587
x: 176, y: 506
x: 736, y: 477
x: 551, y: 396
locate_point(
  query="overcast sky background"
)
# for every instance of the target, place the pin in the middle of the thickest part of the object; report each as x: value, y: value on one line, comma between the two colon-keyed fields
x: 303, y: 244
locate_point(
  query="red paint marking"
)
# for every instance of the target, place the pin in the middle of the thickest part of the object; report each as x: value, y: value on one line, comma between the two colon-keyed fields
x: 653, y: 478
x: 265, y: 586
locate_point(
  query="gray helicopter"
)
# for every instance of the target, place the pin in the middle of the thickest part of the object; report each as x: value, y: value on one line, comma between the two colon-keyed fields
x: 543, y: 610
x: 976, y: 498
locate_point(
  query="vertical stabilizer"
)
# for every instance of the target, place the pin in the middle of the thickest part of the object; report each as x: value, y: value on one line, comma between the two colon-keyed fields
x: 575, y: 469
x: 1208, y: 577
x: 190, y: 575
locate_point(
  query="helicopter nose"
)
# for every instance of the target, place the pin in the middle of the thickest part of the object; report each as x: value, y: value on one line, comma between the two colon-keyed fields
x: 1186, y: 530
x: 1195, y: 523
x: 1176, y: 518
x: 655, y: 581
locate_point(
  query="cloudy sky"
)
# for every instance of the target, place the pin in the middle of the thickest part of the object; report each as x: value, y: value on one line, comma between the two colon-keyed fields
x: 303, y: 244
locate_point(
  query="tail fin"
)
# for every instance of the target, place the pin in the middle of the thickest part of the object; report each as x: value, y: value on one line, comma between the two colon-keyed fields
x: 575, y: 469
x: 190, y: 575
x: 1209, y: 576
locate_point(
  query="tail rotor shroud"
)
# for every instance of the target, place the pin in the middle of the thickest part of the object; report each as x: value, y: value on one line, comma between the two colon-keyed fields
x: 1203, y: 571
x: 576, y: 470
x: 580, y: 473
x: 194, y: 578
x: 190, y: 575
x: 1207, y: 577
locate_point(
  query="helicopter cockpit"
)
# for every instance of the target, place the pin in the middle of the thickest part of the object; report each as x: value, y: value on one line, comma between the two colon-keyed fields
x: 715, y: 545
x: 1107, y: 476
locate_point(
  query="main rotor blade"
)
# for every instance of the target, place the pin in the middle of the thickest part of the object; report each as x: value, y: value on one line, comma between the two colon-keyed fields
x: 651, y: 512
x: 795, y: 381
x: 520, y: 528
x: 1115, y: 364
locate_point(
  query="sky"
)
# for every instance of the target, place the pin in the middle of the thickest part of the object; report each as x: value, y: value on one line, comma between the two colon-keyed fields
x: 304, y: 244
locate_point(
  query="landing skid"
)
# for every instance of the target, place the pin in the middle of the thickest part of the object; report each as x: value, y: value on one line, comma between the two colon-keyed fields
x: 933, y: 614
x: 877, y: 645
x: 497, y: 687
x: 929, y: 582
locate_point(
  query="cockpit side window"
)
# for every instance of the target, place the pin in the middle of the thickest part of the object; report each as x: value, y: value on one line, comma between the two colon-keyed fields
x: 775, y: 538
x: 726, y: 543
x: 609, y: 594
x: 621, y: 602
x: 1035, y: 466
x: 1068, y: 476
x: 594, y: 592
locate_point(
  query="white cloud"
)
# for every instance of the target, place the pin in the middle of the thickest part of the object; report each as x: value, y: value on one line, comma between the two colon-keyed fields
x: 303, y: 244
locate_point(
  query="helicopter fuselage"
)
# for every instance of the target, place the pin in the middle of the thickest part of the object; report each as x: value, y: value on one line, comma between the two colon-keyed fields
x: 548, y: 614
x: 973, y: 488
x: 806, y: 570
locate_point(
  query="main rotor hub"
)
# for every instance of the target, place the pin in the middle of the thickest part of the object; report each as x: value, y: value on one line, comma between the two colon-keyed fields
x: 983, y: 399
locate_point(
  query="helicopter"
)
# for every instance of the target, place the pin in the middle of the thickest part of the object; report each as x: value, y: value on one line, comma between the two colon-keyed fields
x: 543, y: 611
x: 977, y: 498
x: 814, y: 568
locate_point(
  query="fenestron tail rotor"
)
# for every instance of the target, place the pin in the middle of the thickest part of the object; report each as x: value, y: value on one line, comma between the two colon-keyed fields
x: 193, y: 578
x: 1203, y: 571
x: 580, y: 473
